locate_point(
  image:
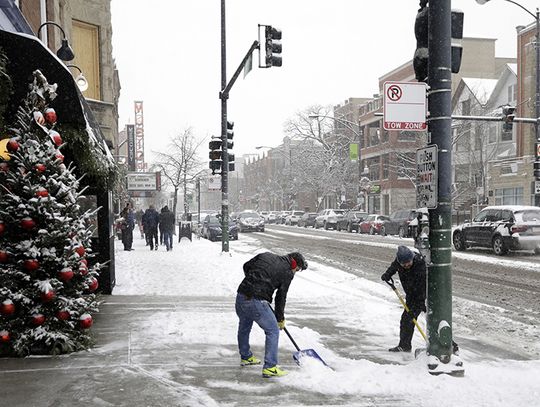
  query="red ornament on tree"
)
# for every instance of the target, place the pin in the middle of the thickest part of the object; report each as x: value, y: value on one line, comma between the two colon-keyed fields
x: 12, y: 145
x: 28, y: 223
x: 4, y: 167
x: 85, y: 321
x: 80, y: 250
x: 4, y: 256
x: 50, y: 115
x: 93, y: 285
x: 40, y: 167
x: 4, y: 336
x: 7, y: 308
x: 47, y: 296
x: 31, y: 265
x: 42, y: 193
x: 65, y: 274
x: 2, y: 228
x: 59, y: 156
x: 63, y: 315
x: 84, y: 262
x: 38, y: 319
x: 83, y: 270
x: 55, y: 136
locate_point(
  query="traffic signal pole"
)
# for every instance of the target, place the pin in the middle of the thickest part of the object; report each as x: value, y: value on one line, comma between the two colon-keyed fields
x: 225, y: 157
x: 439, y: 282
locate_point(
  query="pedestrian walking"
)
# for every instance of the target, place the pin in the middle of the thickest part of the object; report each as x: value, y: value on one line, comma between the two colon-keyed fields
x: 151, y: 222
x: 411, y: 268
x: 127, y: 225
x: 265, y: 274
x: 166, y: 224
x: 138, y: 219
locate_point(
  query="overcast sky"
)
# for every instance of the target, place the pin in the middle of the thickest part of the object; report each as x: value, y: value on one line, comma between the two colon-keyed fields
x: 168, y: 55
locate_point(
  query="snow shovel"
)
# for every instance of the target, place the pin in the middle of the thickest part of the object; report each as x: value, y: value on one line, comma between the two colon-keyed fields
x: 391, y: 284
x: 301, y: 353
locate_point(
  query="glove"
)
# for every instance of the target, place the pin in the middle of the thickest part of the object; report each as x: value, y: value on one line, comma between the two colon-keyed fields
x: 281, y: 324
x: 385, y: 277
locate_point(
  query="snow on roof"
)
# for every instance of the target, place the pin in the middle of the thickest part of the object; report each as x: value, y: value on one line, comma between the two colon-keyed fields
x: 513, y: 68
x: 481, y: 88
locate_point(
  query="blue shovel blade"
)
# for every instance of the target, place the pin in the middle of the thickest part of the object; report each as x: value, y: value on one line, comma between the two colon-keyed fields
x: 310, y: 353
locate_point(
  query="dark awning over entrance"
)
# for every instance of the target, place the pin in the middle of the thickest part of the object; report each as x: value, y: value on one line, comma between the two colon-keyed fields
x: 25, y: 54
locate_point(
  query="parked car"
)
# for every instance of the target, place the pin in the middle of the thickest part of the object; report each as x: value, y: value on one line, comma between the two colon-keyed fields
x: 372, y: 224
x: 211, y: 228
x: 328, y: 218
x: 307, y: 219
x: 351, y: 220
x: 272, y: 217
x: 282, y: 216
x: 293, y: 218
x: 398, y: 222
x: 264, y: 214
x: 250, y: 222
x: 503, y: 228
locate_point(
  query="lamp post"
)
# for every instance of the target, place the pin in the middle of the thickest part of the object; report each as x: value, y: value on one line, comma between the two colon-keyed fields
x: 65, y: 53
x: 536, y: 164
x: 358, y: 135
x: 80, y: 80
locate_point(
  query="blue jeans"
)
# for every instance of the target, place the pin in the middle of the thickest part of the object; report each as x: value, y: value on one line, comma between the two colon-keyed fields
x: 167, y: 238
x: 255, y: 310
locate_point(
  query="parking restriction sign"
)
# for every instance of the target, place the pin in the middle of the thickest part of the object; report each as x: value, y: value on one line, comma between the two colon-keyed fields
x: 404, y: 106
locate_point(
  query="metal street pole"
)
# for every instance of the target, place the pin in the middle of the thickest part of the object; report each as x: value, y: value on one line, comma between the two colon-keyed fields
x: 224, y: 147
x: 537, y: 112
x: 439, y: 282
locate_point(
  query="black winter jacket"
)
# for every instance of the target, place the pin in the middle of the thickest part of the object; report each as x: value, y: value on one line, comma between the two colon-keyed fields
x: 166, y: 221
x: 413, y: 280
x: 264, y: 274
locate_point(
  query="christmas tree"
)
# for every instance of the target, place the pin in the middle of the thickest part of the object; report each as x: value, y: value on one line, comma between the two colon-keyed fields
x: 46, y: 283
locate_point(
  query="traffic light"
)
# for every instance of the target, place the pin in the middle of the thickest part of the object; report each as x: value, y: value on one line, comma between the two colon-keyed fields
x: 508, y: 115
x: 420, y: 60
x: 273, y: 46
x: 230, y: 144
x: 421, y: 32
x: 215, y: 155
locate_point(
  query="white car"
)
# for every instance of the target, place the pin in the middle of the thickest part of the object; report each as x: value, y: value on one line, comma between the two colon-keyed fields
x: 293, y: 218
x: 328, y: 218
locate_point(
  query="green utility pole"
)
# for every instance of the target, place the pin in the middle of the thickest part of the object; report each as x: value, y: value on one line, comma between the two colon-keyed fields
x: 439, y: 286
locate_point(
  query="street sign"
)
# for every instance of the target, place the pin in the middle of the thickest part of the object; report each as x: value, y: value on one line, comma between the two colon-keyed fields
x: 214, y: 183
x: 426, y: 177
x: 404, y: 106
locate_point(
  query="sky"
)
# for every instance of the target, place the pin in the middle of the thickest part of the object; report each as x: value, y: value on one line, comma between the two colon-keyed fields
x: 168, y: 55
x: 345, y: 299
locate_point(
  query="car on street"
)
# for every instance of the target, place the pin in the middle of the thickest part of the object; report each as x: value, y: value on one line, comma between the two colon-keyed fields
x: 307, y: 219
x: 250, y: 222
x: 328, y: 218
x: 372, y: 224
x: 351, y: 220
x: 211, y: 228
x: 272, y: 217
x: 503, y: 228
x: 280, y: 219
x: 293, y: 218
x: 398, y: 222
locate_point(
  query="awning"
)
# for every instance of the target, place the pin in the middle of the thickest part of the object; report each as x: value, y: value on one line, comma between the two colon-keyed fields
x: 25, y: 54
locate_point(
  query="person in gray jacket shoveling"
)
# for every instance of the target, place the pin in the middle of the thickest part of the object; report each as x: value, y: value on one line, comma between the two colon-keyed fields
x: 265, y: 274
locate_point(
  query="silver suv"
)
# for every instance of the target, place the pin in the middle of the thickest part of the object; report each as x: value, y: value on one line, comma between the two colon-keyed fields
x: 328, y: 218
x: 503, y: 228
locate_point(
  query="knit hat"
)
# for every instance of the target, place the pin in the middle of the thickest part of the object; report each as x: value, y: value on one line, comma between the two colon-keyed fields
x: 297, y: 260
x: 404, y: 254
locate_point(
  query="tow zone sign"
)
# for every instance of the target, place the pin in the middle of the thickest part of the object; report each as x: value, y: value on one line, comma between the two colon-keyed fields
x: 405, y: 106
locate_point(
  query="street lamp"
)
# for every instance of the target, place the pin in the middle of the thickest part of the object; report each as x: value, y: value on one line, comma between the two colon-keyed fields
x: 536, y: 165
x: 80, y: 80
x: 65, y: 53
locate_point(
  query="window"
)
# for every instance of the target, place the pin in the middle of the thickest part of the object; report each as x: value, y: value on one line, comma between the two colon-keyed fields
x: 384, y: 136
x: 385, y: 164
x: 492, y: 133
x: 512, y: 93
x: 466, y: 107
x: 407, y: 136
x: 406, y: 165
x: 509, y: 196
x: 85, y: 42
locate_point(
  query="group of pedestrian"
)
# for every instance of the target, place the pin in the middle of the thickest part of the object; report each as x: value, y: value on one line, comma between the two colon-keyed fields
x: 267, y: 273
x: 150, y: 221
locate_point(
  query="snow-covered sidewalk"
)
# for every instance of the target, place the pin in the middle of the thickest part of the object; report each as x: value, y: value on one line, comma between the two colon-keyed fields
x: 348, y: 320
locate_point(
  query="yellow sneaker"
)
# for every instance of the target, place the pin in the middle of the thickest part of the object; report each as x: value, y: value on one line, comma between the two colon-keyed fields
x: 275, y: 371
x: 252, y: 360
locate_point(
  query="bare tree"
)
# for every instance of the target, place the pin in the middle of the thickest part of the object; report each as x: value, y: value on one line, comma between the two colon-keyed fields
x: 180, y: 165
